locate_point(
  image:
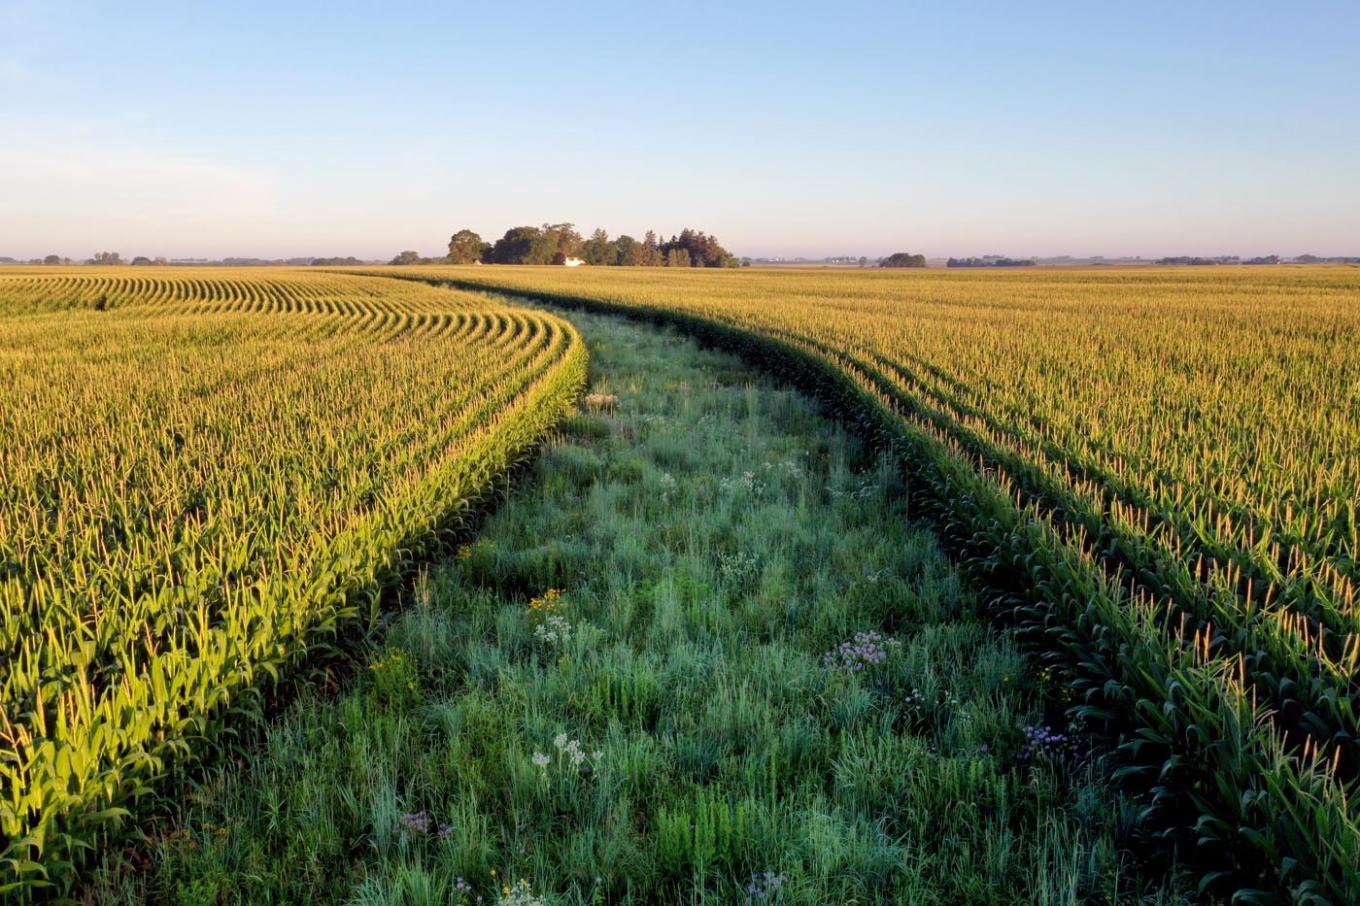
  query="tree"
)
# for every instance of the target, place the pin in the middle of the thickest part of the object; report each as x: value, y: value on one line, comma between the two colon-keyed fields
x: 407, y: 257
x: 598, y: 250
x: 628, y: 251
x: 52, y: 259
x: 678, y: 257
x: 557, y: 238
x: 702, y: 250
x: 517, y: 246
x: 863, y: 261
x: 903, y: 259
x: 106, y: 258
x: 141, y: 261
x: 465, y: 247
x: 651, y: 252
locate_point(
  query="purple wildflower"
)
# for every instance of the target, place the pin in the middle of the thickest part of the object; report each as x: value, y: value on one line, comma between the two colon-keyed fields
x: 866, y: 649
x: 416, y: 822
x: 763, y: 886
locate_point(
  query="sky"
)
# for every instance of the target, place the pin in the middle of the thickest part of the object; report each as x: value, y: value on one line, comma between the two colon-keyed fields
x: 277, y: 129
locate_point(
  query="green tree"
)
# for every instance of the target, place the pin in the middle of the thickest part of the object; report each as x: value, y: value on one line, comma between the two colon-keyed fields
x: 702, y: 250
x: 678, y: 257
x: 407, y: 257
x: 52, y: 259
x: 141, y: 261
x: 465, y: 247
x: 517, y: 246
x: 651, y: 251
x: 903, y: 259
x: 106, y: 258
x: 598, y: 250
x: 629, y: 252
x: 555, y: 239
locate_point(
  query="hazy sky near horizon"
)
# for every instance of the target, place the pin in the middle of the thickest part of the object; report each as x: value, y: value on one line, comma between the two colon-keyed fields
x: 334, y: 128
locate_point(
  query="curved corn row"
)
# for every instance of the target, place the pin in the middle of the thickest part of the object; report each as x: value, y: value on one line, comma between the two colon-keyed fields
x: 1159, y: 474
x: 202, y: 478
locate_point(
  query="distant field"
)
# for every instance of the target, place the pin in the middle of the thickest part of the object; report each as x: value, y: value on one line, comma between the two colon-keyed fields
x: 1155, y: 470
x: 204, y: 475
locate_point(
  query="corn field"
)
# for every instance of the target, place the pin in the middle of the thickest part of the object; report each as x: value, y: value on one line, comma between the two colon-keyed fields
x: 1155, y: 473
x: 205, y: 477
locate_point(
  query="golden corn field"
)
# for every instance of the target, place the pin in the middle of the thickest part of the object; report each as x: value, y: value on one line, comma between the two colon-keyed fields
x: 1156, y: 472
x: 206, y: 475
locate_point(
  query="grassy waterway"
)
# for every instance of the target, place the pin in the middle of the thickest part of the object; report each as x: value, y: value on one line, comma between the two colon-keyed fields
x: 620, y: 694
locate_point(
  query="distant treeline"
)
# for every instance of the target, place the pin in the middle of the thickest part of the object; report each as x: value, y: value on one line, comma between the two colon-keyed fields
x: 1342, y: 259
x: 1220, y: 259
x: 560, y: 243
x: 990, y: 261
x: 113, y: 258
x: 902, y: 259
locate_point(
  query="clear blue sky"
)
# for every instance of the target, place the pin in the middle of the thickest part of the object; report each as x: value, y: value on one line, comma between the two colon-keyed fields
x: 274, y: 129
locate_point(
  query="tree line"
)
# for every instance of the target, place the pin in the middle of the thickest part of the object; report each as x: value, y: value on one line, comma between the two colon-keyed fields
x: 991, y: 261
x: 559, y: 243
x: 115, y: 259
x: 900, y: 259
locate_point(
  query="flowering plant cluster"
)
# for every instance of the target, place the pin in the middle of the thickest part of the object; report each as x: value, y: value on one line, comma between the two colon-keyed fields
x: 463, y: 892
x: 764, y: 886
x: 866, y: 649
x: 551, y: 601
x: 519, y: 894
x: 569, y: 754
x: 787, y: 466
x: 745, y: 483
x: 1044, y: 743
x: 553, y: 631
x: 420, y: 823
x: 738, y: 567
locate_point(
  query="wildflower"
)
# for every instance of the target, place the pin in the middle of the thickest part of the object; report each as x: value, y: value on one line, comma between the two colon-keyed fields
x: 765, y: 885
x: 553, y: 631
x: 746, y: 483
x: 866, y: 649
x: 520, y: 894
x: 570, y: 753
x: 1044, y: 743
x: 550, y: 601
x: 415, y: 822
